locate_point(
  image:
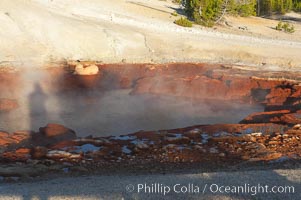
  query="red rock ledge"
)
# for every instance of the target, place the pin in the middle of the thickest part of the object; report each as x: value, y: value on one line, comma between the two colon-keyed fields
x: 208, y: 144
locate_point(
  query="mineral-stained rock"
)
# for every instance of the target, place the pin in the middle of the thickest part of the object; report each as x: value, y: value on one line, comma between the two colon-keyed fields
x: 261, y: 146
x: 245, y: 157
x: 94, y: 141
x: 222, y: 154
x: 256, y: 134
x: 267, y: 156
x: 213, y: 150
x: 142, y: 145
x: 250, y: 138
x: 3, y: 134
x: 64, y: 144
x: 86, y: 70
x: 56, y: 154
x: 198, y: 147
x: 8, y: 104
x: 273, y: 142
x: 21, y: 154
x: 53, y: 130
x: 52, y: 134
x: 39, y: 152
x: 177, y: 140
x: 59, y: 154
x: 19, y: 136
x: 278, y: 95
x: 281, y: 116
x: 293, y: 132
x: 4, y: 139
x: 297, y: 126
x: 125, y: 83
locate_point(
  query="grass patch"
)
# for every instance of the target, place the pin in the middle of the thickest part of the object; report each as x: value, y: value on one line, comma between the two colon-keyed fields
x: 177, y: 1
x: 286, y: 27
x: 183, y: 22
x: 174, y: 14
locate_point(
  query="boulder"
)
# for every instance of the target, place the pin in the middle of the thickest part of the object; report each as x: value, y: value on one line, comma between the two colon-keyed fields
x: 56, y: 130
x: 53, y: 134
x: 86, y: 70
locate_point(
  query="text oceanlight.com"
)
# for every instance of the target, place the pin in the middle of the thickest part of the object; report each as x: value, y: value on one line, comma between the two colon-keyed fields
x: 190, y: 188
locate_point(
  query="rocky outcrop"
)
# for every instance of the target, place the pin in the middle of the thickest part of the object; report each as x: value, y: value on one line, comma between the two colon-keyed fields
x: 281, y: 116
x: 52, y: 134
x: 204, y: 143
x: 21, y: 145
x: 206, y: 82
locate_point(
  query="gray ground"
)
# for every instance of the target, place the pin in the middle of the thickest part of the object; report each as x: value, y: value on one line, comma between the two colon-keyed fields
x: 114, y: 187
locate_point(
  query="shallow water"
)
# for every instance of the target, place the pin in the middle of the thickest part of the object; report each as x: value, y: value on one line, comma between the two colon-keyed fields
x: 116, y: 112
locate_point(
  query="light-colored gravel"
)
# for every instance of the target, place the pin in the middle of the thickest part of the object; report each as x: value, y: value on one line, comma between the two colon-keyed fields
x: 114, y: 187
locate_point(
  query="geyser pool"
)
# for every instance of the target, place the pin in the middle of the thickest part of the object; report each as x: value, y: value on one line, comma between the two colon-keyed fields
x: 126, y: 98
x: 117, y: 112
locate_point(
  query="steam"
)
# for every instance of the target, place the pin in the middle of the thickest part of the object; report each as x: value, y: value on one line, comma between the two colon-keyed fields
x: 111, y: 111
